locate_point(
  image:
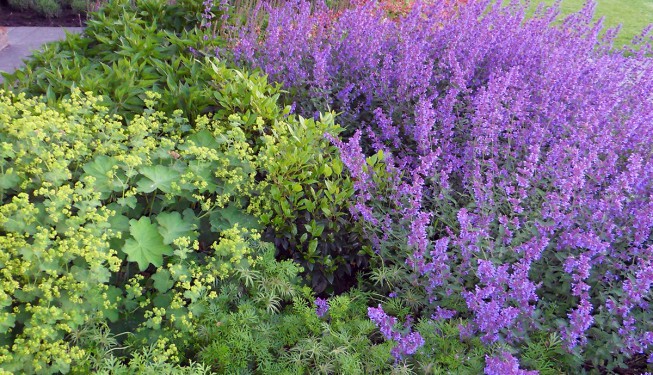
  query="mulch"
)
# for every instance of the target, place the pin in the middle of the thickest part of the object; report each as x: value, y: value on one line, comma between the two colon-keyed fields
x: 14, y: 17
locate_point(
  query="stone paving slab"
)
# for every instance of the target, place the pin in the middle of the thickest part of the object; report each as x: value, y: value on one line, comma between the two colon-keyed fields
x: 23, y: 40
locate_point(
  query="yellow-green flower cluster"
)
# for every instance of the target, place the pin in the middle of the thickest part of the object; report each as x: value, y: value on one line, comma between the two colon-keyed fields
x: 56, y: 256
x: 100, y: 221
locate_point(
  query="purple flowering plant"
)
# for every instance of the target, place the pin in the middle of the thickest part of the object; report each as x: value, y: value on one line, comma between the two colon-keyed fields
x: 502, y: 164
x: 321, y: 307
x: 407, y: 343
x: 505, y: 364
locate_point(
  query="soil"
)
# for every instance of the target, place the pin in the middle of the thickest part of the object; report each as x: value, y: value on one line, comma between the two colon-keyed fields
x: 14, y: 17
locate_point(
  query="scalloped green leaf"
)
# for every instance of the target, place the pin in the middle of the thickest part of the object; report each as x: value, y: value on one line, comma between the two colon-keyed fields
x: 157, y: 177
x: 162, y: 280
x: 205, y: 138
x: 226, y: 218
x: 9, y: 180
x: 173, y: 226
x: 146, y: 245
x: 101, y: 168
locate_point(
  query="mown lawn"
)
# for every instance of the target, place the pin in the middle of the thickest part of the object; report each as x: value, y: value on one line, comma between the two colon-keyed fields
x: 633, y: 15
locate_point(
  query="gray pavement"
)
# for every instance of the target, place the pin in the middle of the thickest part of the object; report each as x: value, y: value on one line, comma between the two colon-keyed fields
x: 23, y: 40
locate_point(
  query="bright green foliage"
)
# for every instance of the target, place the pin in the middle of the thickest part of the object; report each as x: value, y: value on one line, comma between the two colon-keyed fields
x: 310, y: 195
x: 82, y: 190
x: 54, y: 233
x: 127, y: 49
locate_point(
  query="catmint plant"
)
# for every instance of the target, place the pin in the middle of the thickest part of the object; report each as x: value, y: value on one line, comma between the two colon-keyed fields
x: 321, y: 307
x: 514, y: 184
x: 407, y: 342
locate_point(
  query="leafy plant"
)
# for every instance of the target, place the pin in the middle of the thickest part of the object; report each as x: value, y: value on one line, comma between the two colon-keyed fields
x: 127, y: 49
x: 511, y: 182
x: 310, y: 198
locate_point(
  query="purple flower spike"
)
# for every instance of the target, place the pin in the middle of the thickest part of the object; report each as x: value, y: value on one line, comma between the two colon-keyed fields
x: 504, y: 364
x: 407, y: 343
x: 322, y: 307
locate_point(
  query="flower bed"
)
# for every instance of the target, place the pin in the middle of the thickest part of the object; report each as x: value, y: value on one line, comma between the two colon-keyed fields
x: 352, y: 188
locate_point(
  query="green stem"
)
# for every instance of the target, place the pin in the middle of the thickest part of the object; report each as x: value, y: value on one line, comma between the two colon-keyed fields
x: 152, y: 203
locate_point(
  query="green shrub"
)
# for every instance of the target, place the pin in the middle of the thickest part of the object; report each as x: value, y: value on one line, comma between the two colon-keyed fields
x: 48, y: 8
x: 310, y: 195
x: 53, y: 8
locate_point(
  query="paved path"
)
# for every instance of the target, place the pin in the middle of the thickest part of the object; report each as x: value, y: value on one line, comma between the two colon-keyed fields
x: 23, y: 40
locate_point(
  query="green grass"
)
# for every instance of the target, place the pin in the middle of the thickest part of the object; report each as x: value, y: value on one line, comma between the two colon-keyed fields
x: 633, y: 15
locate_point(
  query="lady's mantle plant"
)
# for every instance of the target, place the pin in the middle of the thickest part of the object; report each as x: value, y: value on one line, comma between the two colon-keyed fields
x: 99, y: 226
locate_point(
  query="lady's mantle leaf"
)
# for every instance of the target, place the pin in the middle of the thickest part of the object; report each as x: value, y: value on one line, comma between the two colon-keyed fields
x: 101, y: 168
x: 172, y: 226
x: 157, y: 177
x: 229, y: 216
x: 146, y: 247
x: 162, y: 280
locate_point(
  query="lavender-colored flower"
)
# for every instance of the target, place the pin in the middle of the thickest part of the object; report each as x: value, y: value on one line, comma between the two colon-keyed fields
x: 407, y: 343
x: 510, y: 142
x: 504, y: 364
x: 321, y: 307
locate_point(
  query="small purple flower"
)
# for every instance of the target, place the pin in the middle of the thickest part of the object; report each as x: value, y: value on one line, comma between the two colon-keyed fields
x: 504, y: 364
x: 322, y: 307
x: 407, y: 343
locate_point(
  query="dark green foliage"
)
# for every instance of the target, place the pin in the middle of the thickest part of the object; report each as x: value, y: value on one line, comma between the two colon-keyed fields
x: 48, y: 8
x: 310, y: 194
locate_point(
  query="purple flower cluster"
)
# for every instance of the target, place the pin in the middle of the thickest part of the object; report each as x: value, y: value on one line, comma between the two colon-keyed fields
x: 407, y: 342
x: 517, y: 153
x: 321, y: 307
x: 504, y: 364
